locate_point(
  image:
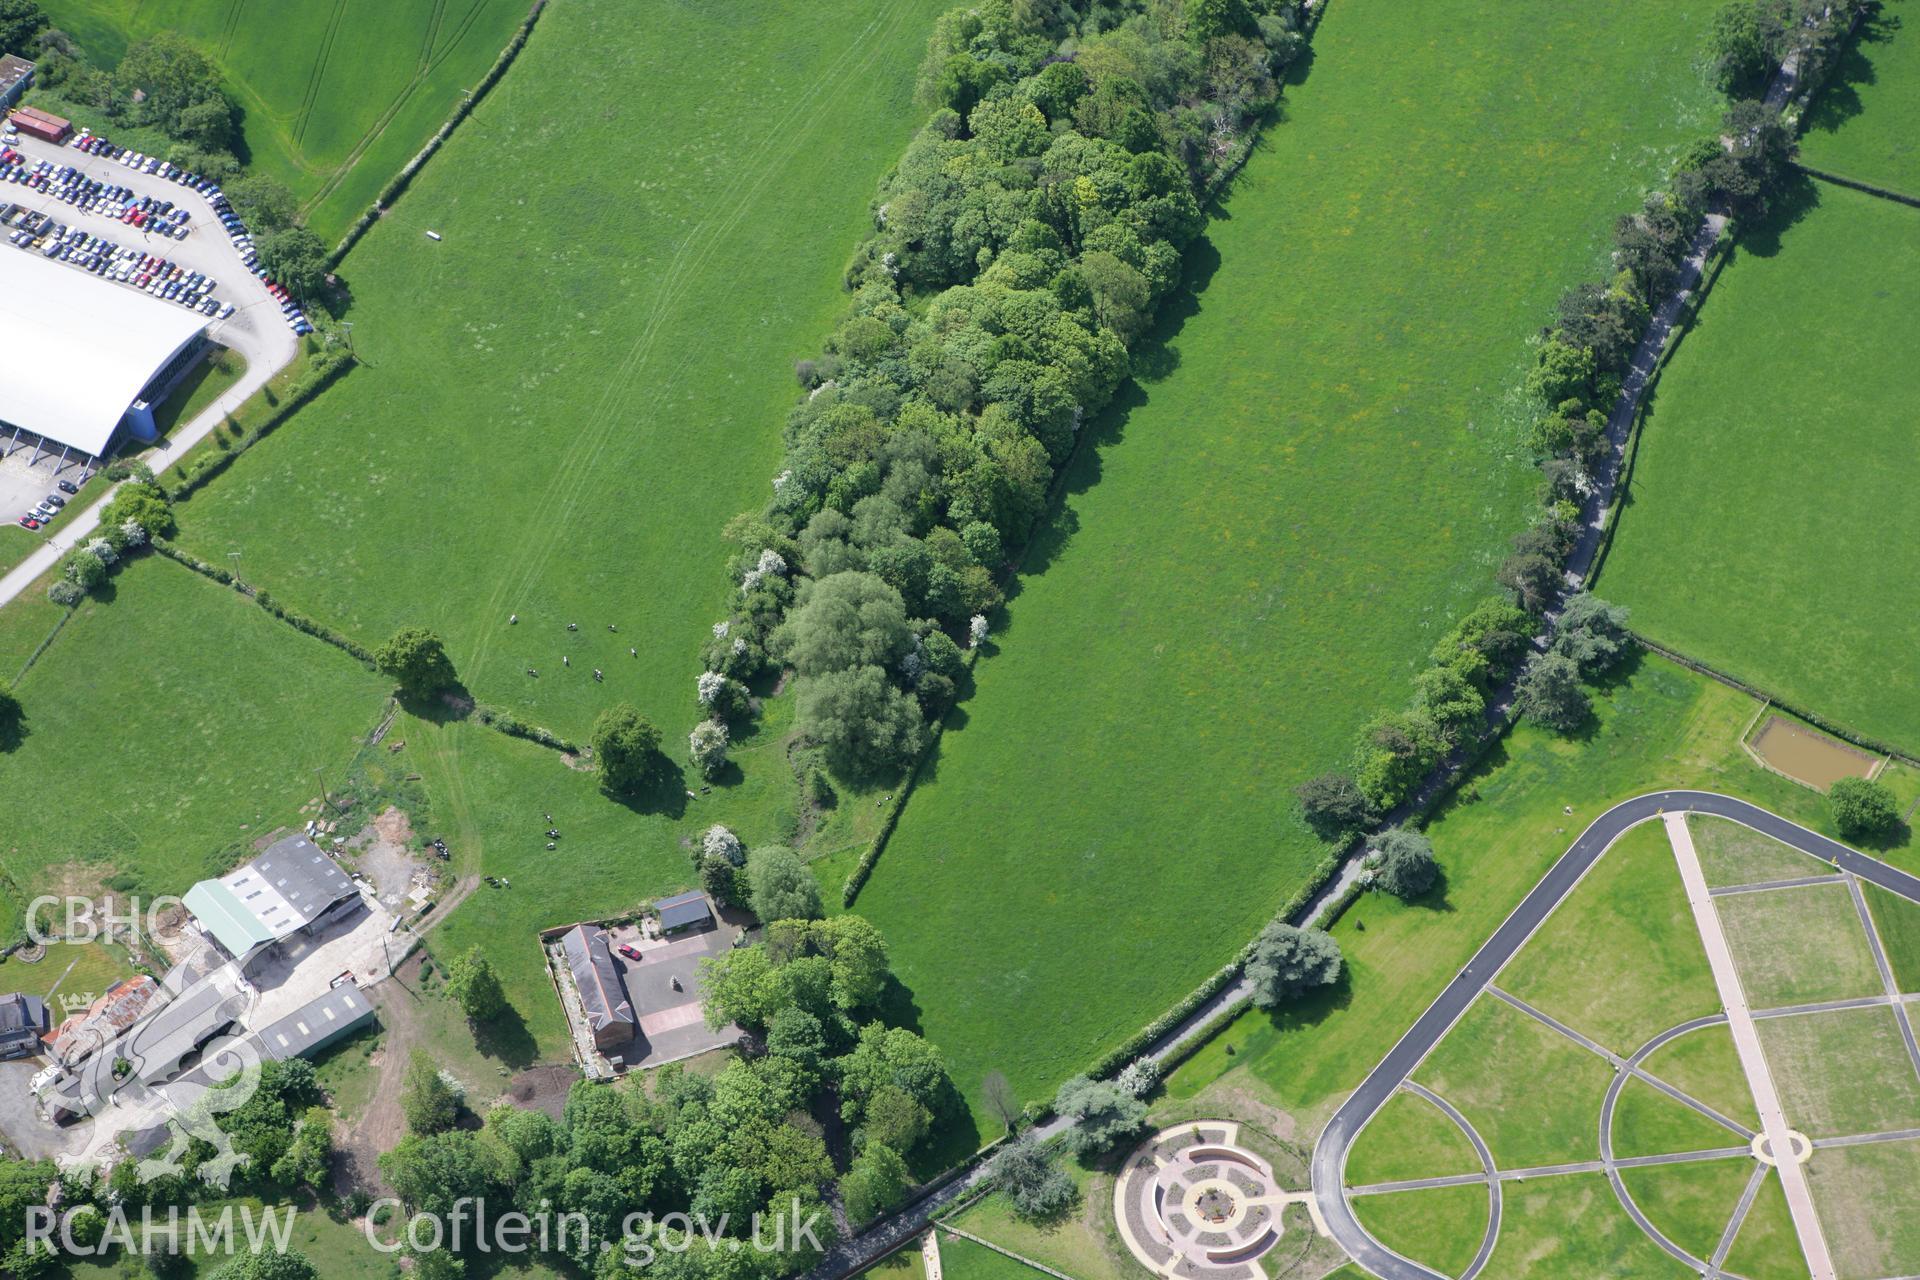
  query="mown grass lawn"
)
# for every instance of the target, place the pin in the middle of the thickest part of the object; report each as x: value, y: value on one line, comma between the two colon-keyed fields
x: 1865, y: 1199
x: 1620, y: 959
x: 1409, y: 1138
x: 167, y: 723
x: 1491, y: 1066
x: 1755, y: 534
x: 1861, y: 126
x: 1897, y: 921
x: 565, y: 398
x: 964, y: 1260
x: 1704, y: 1065
x: 1690, y: 1203
x: 1560, y: 1228
x: 1875, y: 1091
x: 1319, y: 470
x: 1767, y: 1247
x: 1795, y: 946
x: 1646, y: 1122
x: 1661, y: 726
x: 1732, y: 854
x: 338, y: 95
x: 1439, y: 1226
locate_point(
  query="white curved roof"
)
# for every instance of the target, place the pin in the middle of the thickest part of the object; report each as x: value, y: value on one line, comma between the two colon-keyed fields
x: 75, y: 350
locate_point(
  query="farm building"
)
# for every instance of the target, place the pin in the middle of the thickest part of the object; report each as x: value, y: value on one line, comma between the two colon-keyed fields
x: 15, y: 75
x: 41, y: 124
x: 23, y: 1020
x: 684, y: 911
x: 87, y: 359
x: 314, y: 1026
x: 97, y: 1024
x: 292, y: 888
x: 603, y: 998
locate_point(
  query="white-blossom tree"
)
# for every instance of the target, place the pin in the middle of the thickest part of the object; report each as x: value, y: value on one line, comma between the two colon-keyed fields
x: 977, y: 630
x: 721, y: 843
x: 709, y: 686
x: 707, y: 745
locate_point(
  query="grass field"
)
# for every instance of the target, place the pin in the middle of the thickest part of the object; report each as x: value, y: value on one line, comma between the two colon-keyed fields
x: 1619, y: 960
x: 570, y: 451
x: 1409, y: 1138
x: 1440, y: 1226
x: 1663, y: 726
x: 1824, y: 1102
x: 1704, y: 1065
x: 1733, y: 854
x: 1262, y: 544
x: 1766, y: 1247
x: 1865, y: 1199
x: 964, y: 1260
x: 1555, y: 1228
x: 1491, y: 1066
x: 1083, y: 1243
x: 1897, y: 921
x: 1861, y: 126
x: 337, y: 96
x: 1755, y: 533
x: 1796, y: 946
x: 1692, y: 1203
x: 165, y: 725
x: 1646, y: 1122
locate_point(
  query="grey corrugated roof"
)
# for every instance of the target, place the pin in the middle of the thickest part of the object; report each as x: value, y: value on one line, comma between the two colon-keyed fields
x: 20, y: 1012
x: 601, y: 994
x: 316, y: 1024
x: 683, y: 909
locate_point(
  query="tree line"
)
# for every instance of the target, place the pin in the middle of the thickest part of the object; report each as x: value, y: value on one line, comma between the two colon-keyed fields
x: 1020, y: 249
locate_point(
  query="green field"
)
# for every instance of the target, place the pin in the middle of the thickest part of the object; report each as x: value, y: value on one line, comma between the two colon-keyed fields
x: 1897, y: 921
x: 1861, y: 126
x: 1865, y: 1199
x: 1797, y: 946
x: 1822, y: 1102
x: 567, y: 451
x: 1663, y: 726
x: 1704, y: 1065
x: 1491, y: 1066
x: 1619, y: 960
x: 1554, y: 1228
x: 1439, y: 1226
x: 1733, y: 854
x: 1646, y: 1122
x: 1754, y: 535
x: 166, y: 724
x: 1409, y: 1138
x: 336, y: 96
x: 965, y: 1260
x: 1766, y: 1247
x: 1264, y: 542
x: 1692, y: 1203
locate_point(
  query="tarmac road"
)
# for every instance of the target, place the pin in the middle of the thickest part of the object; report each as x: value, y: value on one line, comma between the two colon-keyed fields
x: 1330, y: 1153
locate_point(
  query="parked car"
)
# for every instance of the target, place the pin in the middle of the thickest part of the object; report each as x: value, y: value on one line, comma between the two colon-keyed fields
x: 630, y: 951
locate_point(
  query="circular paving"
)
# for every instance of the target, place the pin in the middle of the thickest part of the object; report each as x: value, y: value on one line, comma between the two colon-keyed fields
x: 1192, y: 1201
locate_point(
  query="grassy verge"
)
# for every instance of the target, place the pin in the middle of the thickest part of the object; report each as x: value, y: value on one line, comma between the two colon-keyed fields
x: 1439, y: 1226
x: 1733, y: 854
x: 1409, y: 1138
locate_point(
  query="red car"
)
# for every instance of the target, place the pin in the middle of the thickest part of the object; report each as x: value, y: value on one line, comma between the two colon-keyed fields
x: 28, y: 522
x: 629, y: 951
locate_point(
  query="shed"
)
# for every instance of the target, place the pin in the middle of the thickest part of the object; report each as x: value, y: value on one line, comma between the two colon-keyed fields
x: 23, y: 1020
x: 684, y: 911
x: 312, y: 1027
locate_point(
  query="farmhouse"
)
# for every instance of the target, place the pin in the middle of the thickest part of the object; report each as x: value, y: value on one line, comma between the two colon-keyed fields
x: 97, y: 1024
x: 87, y: 359
x: 23, y: 1020
x: 603, y: 999
x: 292, y: 888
